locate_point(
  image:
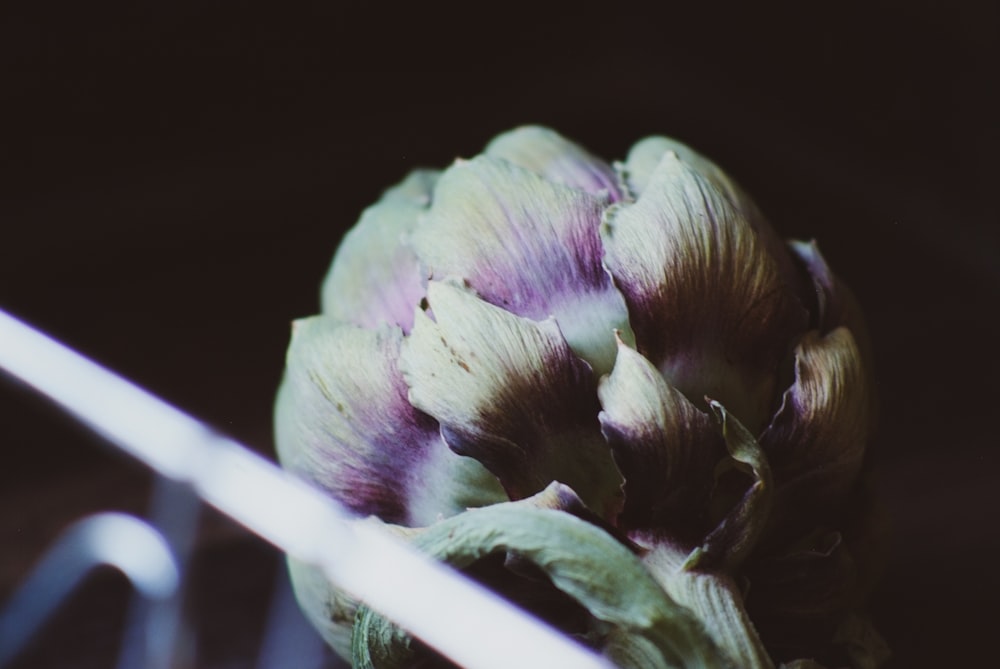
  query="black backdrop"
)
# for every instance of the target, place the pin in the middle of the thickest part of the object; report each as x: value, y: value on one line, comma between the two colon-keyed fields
x: 177, y: 179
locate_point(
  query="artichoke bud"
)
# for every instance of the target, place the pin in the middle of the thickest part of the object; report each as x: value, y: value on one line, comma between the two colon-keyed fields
x: 611, y: 392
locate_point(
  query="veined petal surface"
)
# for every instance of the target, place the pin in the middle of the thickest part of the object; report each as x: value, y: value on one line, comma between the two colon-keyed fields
x: 343, y: 422
x: 550, y: 155
x: 643, y: 160
x: 509, y: 392
x: 645, y: 156
x: 375, y: 277
x: 527, y: 245
x: 706, y: 301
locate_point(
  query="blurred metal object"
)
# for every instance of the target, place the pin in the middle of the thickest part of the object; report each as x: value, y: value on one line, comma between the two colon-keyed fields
x: 289, y: 640
x: 156, y: 635
x: 115, y: 539
x: 462, y: 620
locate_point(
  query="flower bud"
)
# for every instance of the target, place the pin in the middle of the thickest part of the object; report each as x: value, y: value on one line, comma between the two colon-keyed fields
x: 631, y: 346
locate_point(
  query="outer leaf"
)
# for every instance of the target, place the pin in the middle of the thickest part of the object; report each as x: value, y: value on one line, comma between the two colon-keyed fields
x: 711, y: 596
x: 529, y: 246
x: 646, y: 155
x: 375, y: 278
x: 729, y: 543
x: 701, y: 579
x: 707, y: 302
x: 591, y: 567
x: 665, y: 447
x: 329, y: 610
x: 509, y: 392
x: 835, y: 306
x: 347, y: 426
x: 378, y: 644
x: 816, y: 442
x: 550, y: 155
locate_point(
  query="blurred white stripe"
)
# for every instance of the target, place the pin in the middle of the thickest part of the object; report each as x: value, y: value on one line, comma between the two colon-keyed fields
x: 460, y: 619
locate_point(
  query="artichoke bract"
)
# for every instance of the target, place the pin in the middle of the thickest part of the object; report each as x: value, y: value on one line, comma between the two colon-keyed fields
x: 612, y: 393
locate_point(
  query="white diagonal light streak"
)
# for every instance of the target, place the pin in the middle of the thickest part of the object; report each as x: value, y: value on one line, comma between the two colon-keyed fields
x: 459, y: 618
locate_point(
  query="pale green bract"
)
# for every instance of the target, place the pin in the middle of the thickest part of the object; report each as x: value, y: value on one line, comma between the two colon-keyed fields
x: 609, y: 391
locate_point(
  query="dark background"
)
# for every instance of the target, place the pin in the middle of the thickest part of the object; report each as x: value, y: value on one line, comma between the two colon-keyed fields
x: 177, y: 178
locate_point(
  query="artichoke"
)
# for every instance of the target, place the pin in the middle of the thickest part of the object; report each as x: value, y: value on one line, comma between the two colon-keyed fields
x: 611, y: 392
